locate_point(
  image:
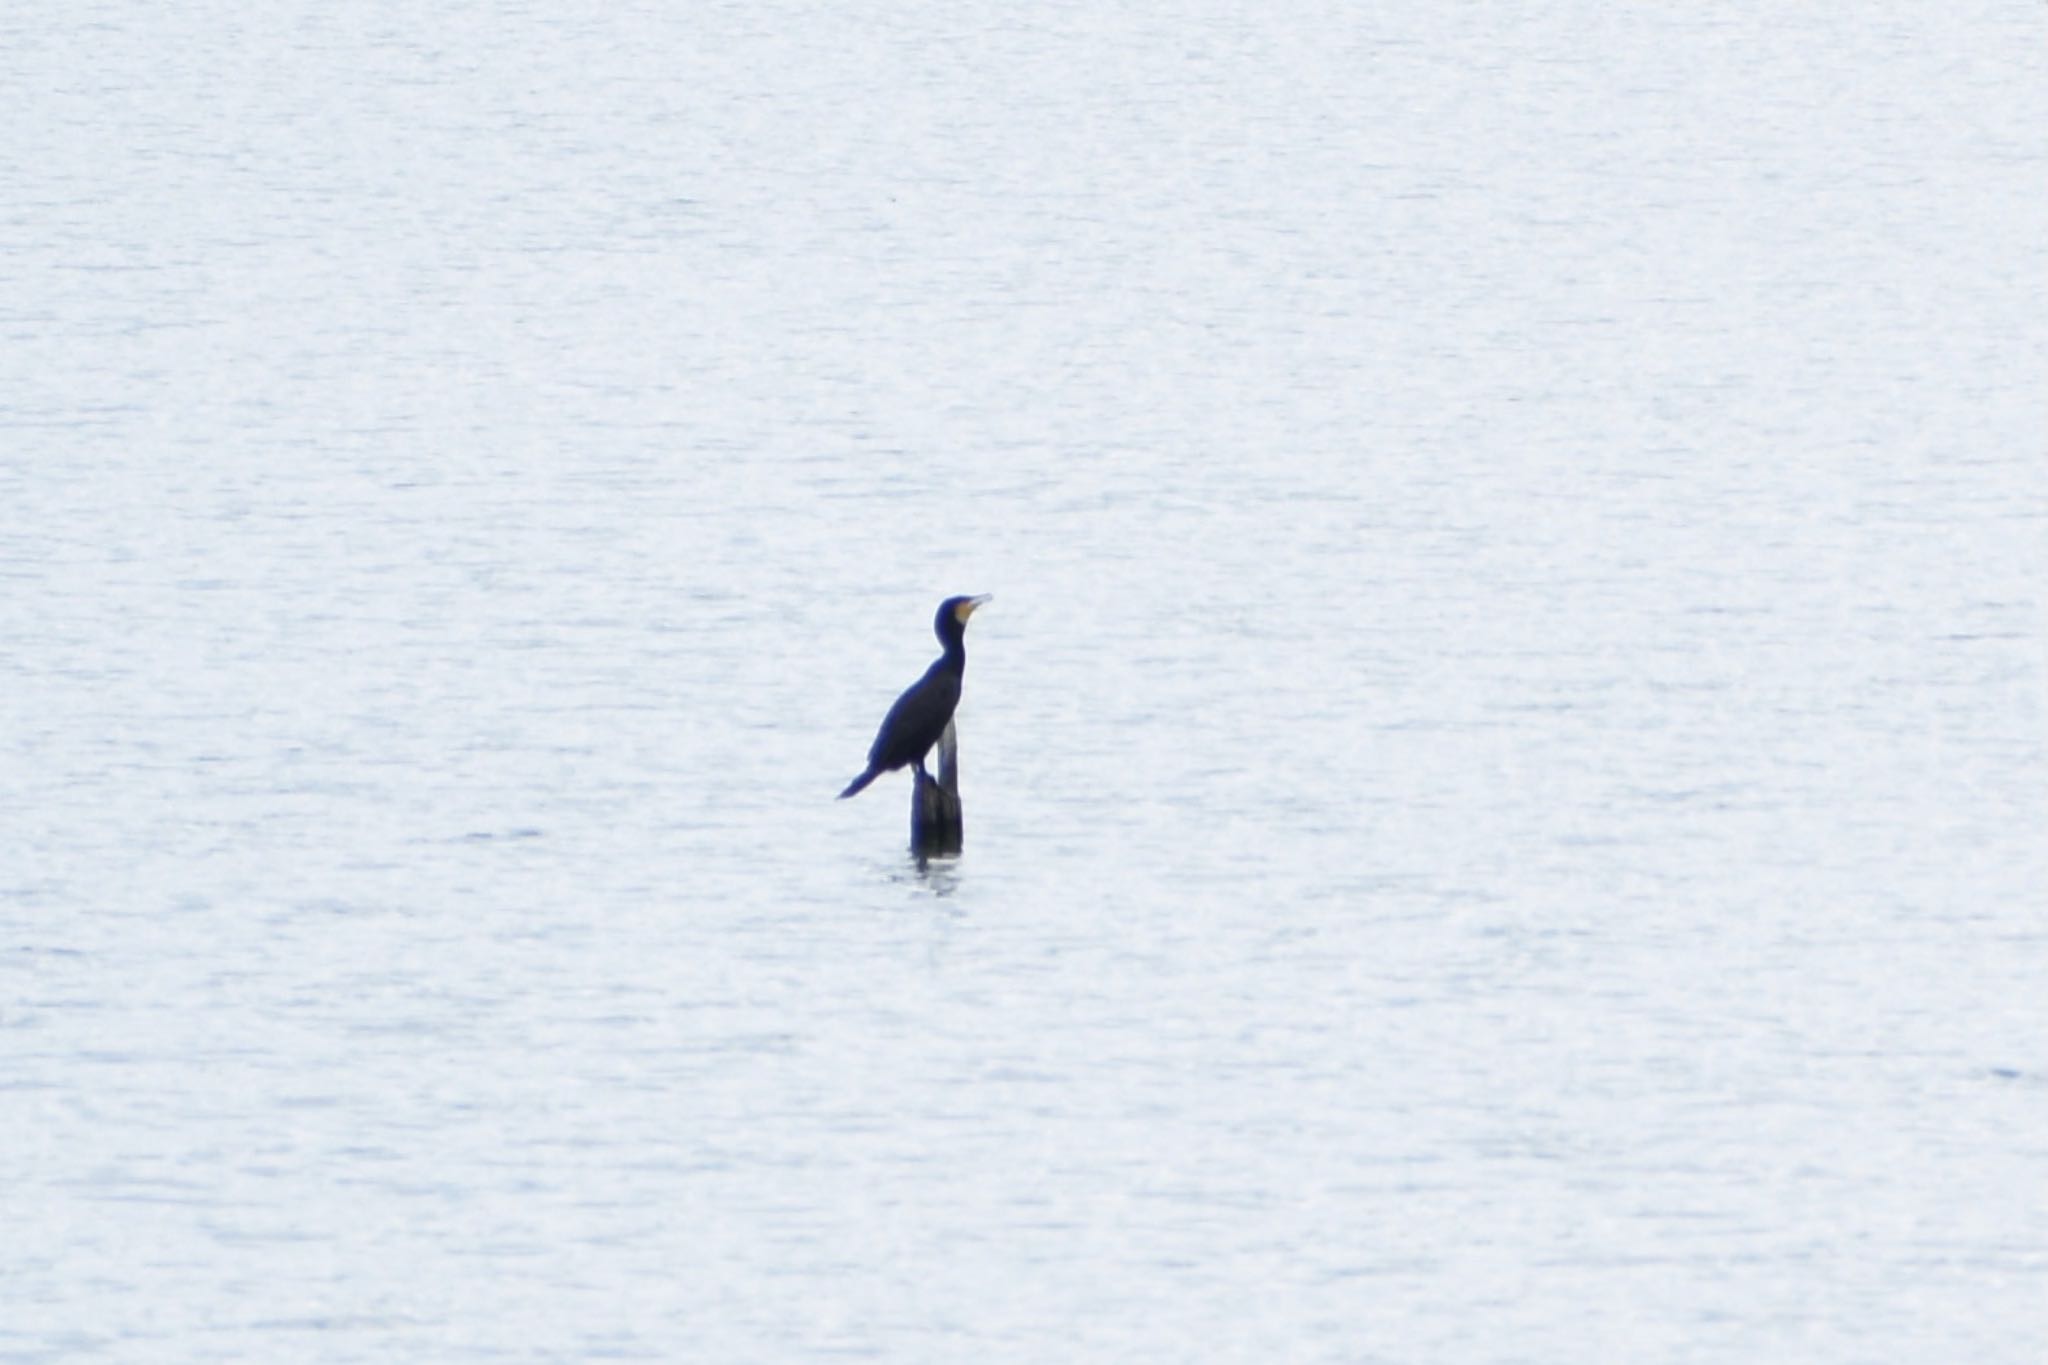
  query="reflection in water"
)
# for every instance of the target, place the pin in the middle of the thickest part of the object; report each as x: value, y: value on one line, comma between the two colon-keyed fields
x: 939, y: 874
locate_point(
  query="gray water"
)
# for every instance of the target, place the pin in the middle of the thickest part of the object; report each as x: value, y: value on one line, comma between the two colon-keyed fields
x: 1504, y: 778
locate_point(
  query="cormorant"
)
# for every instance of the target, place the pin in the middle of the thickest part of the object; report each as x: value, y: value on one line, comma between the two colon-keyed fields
x: 919, y: 716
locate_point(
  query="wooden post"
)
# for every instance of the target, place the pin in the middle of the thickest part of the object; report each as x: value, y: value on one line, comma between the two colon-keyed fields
x: 935, y: 804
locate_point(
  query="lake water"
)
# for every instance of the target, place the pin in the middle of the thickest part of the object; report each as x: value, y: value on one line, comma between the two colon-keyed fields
x: 1505, y: 776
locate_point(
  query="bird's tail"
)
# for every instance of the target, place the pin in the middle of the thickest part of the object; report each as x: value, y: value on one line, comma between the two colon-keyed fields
x: 855, y: 787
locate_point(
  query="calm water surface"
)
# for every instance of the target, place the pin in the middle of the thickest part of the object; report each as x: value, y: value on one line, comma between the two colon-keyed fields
x: 1505, y: 775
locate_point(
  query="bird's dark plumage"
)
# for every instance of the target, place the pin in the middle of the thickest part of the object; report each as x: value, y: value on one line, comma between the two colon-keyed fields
x: 919, y: 716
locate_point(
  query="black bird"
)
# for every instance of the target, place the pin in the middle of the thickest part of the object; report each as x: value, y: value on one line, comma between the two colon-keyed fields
x: 919, y: 716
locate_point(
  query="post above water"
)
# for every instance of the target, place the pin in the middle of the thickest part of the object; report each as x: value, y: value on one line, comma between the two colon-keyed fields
x: 935, y: 803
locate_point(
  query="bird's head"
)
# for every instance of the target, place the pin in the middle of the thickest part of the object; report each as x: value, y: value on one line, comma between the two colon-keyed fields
x: 953, y: 614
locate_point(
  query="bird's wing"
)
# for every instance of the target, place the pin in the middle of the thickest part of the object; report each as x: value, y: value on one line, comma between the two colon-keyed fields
x: 923, y: 709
